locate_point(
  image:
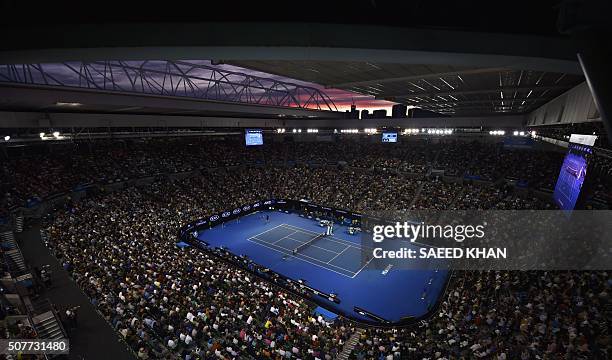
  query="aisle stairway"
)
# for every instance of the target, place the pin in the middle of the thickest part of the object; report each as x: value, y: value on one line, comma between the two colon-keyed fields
x: 18, y: 224
x: 48, y: 327
x: 12, y: 254
x: 417, y: 194
x: 7, y: 240
x: 350, y: 345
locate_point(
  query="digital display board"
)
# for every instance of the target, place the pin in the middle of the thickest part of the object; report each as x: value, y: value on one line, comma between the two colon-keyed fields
x: 572, y: 174
x: 253, y: 137
x: 389, y: 137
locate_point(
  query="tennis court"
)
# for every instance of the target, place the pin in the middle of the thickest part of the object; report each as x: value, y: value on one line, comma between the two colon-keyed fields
x: 331, y: 264
x: 328, y: 252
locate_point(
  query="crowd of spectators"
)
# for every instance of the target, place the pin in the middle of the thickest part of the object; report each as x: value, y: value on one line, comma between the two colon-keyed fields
x: 36, y: 175
x: 164, y: 300
x: 167, y: 301
x: 564, y: 131
x: 506, y: 315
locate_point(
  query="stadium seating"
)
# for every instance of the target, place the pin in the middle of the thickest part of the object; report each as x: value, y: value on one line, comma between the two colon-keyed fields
x: 169, y: 302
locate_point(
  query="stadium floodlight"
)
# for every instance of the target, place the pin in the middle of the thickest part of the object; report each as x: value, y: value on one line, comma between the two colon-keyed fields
x: 42, y: 135
x: 522, y: 133
x: 294, y: 131
x: 312, y: 131
x: 299, y: 130
x: 7, y: 138
x: 56, y: 134
x: 515, y: 133
x: 280, y: 130
x: 70, y: 104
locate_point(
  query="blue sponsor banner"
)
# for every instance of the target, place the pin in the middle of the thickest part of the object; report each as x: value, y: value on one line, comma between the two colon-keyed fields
x: 518, y: 142
x: 522, y: 183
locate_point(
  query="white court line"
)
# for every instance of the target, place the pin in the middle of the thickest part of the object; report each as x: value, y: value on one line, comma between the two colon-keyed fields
x: 301, y: 254
x: 296, y: 240
x: 291, y: 227
x: 299, y: 258
x: 346, y: 243
x: 314, y: 246
x: 284, y: 237
x: 277, y: 226
x: 363, y: 267
x: 332, y: 259
x: 337, y: 240
x: 288, y: 237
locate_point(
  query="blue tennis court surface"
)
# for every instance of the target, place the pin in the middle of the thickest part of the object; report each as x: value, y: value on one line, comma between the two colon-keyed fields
x: 331, y: 253
x: 331, y: 264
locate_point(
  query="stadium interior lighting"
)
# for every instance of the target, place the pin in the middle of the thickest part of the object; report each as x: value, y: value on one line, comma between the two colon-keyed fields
x: 349, y: 131
x: 515, y: 133
x: 7, y: 138
x: 312, y: 131
x: 280, y: 130
x: 411, y: 131
x: 522, y: 133
x: 436, y: 131
x: 56, y: 134
x: 70, y: 104
x: 294, y: 131
x: 370, y: 130
x: 42, y: 135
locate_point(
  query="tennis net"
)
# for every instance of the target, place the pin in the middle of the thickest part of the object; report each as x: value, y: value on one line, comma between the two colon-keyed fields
x: 308, y: 243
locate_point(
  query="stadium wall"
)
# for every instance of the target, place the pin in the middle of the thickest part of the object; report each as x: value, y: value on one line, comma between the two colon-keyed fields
x: 9, y: 119
x: 573, y: 106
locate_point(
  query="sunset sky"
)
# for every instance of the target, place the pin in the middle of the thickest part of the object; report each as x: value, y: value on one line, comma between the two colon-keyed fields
x: 343, y: 99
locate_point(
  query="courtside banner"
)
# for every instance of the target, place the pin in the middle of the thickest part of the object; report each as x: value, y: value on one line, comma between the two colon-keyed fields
x: 487, y: 240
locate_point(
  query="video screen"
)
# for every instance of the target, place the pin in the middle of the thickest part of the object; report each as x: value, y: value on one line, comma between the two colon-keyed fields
x: 253, y: 137
x: 390, y: 137
x: 571, y: 177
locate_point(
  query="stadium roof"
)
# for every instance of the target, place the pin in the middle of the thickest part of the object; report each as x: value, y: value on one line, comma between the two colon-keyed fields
x: 459, y: 58
x: 445, y: 89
